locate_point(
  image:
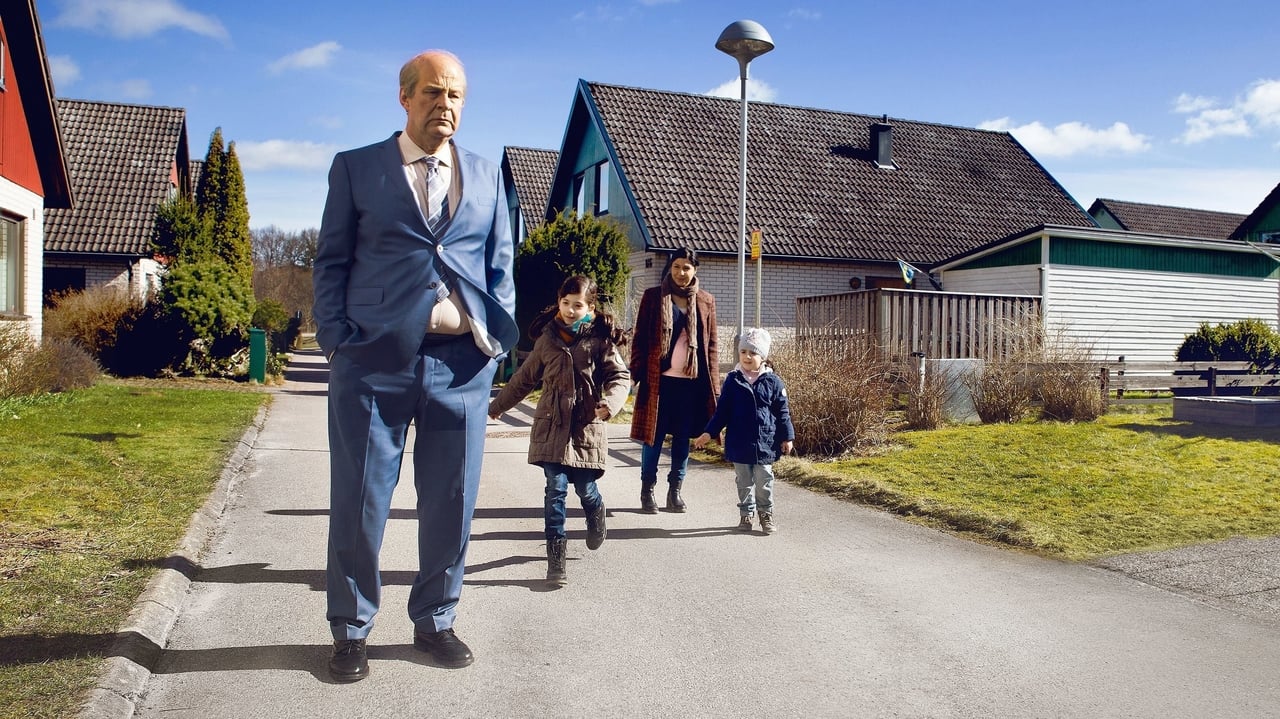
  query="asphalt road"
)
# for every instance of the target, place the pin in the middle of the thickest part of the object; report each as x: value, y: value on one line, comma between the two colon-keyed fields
x: 845, y: 612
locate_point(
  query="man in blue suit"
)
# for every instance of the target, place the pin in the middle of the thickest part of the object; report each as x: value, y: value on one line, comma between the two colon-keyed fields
x: 414, y: 306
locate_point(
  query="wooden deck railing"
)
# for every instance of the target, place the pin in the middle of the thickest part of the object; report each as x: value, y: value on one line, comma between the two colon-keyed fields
x: 942, y: 325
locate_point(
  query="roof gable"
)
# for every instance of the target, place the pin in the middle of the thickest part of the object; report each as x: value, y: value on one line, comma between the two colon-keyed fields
x: 122, y: 160
x: 1166, y: 220
x: 1256, y: 219
x: 814, y: 187
x: 530, y: 172
x: 35, y: 88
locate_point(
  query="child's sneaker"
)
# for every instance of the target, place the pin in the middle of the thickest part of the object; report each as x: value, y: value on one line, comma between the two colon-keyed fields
x: 766, y: 523
x: 744, y: 524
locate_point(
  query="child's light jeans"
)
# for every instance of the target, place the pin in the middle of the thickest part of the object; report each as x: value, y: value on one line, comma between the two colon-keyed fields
x: 755, y: 488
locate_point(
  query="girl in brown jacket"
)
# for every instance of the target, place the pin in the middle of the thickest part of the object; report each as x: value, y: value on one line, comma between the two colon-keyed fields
x: 675, y: 361
x: 584, y: 383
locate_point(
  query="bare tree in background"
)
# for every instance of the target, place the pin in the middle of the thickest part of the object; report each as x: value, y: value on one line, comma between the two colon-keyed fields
x: 282, y: 268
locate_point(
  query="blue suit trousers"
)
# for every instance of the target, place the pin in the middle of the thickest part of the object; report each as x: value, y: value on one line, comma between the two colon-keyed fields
x: 444, y: 392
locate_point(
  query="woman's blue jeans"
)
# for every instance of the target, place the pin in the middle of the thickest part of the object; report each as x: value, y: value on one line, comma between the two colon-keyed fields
x: 559, y: 477
x: 651, y: 453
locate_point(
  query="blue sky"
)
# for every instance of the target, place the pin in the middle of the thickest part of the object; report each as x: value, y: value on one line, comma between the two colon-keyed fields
x: 1173, y: 102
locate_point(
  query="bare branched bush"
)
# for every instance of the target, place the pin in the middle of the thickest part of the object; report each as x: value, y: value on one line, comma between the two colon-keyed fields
x: 94, y: 318
x: 1070, y: 392
x: 839, y: 392
x: 29, y: 369
x: 1068, y: 385
x: 926, y: 396
x: 1001, y: 390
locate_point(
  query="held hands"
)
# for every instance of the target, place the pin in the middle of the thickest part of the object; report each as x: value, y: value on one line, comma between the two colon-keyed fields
x: 602, y: 412
x: 787, y: 446
x: 701, y: 440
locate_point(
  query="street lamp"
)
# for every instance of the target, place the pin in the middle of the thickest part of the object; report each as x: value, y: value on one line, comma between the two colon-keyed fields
x: 745, y: 40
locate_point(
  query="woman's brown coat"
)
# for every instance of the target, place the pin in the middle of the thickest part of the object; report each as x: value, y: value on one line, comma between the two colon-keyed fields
x: 575, y: 378
x: 646, y: 359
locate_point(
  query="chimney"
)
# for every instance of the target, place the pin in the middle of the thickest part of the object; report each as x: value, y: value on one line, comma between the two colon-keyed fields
x: 882, y: 143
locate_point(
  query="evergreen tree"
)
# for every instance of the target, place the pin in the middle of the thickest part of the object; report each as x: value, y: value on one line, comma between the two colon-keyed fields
x: 209, y: 191
x: 567, y: 246
x: 231, y: 220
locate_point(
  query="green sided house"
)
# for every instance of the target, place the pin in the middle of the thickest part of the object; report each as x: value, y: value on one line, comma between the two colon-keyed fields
x: 1117, y: 292
x: 839, y: 197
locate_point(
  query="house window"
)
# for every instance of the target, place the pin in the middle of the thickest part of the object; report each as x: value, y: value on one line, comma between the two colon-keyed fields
x: 1273, y: 237
x: 602, y: 188
x: 10, y: 266
x: 3, y: 79
x: 580, y: 194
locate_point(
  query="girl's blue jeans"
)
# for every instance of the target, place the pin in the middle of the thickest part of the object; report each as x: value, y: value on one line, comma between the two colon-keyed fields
x: 559, y: 477
x: 755, y: 488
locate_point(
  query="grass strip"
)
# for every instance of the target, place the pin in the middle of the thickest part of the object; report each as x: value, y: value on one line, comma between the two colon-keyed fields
x: 96, y: 488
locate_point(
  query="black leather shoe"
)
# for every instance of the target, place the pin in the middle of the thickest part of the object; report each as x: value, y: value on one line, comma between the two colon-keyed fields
x: 350, y: 660
x: 445, y: 647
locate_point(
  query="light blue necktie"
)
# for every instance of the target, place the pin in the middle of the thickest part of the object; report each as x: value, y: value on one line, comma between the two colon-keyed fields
x: 437, y: 197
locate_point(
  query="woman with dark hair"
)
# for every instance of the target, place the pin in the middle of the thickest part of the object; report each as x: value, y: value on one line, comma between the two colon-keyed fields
x: 676, y: 365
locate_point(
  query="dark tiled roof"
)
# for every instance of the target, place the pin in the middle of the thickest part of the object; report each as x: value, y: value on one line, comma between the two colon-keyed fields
x: 121, y: 157
x: 1166, y: 220
x: 814, y: 187
x: 197, y: 168
x: 1264, y: 208
x: 531, y: 172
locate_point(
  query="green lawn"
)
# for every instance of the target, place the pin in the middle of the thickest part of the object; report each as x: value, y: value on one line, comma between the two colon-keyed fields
x: 1134, y: 480
x: 97, y: 487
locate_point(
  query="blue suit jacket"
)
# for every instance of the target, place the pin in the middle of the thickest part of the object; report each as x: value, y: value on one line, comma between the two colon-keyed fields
x: 378, y: 271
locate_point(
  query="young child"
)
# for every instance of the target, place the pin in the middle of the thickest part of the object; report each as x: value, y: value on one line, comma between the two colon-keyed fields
x: 753, y: 408
x: 584, y: 383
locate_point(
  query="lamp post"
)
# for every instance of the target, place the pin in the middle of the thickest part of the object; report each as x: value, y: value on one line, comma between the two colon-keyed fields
x: 745, y: 40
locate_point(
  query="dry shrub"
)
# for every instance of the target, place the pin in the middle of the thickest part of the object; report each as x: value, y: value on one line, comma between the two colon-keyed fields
x: 1001, y: 390
x: 926, y: 396
x: 1068, y: 385
x: 94, y: 318
x: 839, y: 393
x: 28, y: 369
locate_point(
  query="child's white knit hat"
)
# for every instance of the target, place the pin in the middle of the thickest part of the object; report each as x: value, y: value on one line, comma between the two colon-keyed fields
x: 756, y: 340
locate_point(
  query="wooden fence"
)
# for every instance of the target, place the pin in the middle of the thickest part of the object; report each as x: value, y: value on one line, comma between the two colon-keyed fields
x: 1210, y: 376
x: 942, y: 325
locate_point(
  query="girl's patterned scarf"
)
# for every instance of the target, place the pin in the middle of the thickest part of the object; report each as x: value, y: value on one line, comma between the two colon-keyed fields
x: 669, y: 287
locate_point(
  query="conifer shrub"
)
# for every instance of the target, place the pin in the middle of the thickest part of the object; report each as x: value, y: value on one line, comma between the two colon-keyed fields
x: 1251, y: 340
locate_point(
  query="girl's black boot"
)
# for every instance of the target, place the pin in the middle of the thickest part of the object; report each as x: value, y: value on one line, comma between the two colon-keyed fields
x: 556, y: 576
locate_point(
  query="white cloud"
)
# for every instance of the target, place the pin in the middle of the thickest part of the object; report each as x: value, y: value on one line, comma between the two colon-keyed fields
x: 137, y: 18
x: 134, y: 89
x: 285, y: 154
x: 802, y: 13
x: 1071, y: 138
x: 65, y: 71
x: 1224, y: 190
x: 1262, y: 103
x: 1215, y: 123
x: 1192, y: 103
x: 1259, y: 108
x: 315, y: 56
x: 756, y: 91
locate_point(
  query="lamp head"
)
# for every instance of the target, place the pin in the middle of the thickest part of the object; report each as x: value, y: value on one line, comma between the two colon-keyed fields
x: 745, y: 39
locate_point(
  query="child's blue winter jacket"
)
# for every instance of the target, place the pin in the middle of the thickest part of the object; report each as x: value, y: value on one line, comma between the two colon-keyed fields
x: 757, y: 418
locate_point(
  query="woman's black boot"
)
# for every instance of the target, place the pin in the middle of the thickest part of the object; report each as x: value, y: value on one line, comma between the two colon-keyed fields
x: 648, y: 504
x: 674, y: 502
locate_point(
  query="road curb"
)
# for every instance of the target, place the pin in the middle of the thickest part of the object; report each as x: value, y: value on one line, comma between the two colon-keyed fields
x: 145, y: 631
